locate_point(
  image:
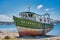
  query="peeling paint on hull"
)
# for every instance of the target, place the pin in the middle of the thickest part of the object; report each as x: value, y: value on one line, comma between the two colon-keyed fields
x: 31, y: 32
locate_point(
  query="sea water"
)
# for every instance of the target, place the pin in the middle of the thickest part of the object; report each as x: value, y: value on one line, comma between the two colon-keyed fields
x: 55, y: 31
x: 11, y: 27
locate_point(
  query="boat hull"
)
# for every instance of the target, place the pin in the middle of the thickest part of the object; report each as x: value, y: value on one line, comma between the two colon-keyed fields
x: 28, y: 27
x: 31, y: 32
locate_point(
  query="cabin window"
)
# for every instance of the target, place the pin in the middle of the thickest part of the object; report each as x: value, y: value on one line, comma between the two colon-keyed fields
x: 48, y: 20
x: 30, y: 15
x: 25, y: 15
x: 40, y: 19
x: 44, y: 20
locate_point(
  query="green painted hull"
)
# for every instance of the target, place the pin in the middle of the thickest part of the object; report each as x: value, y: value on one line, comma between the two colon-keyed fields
x: 31, y: 24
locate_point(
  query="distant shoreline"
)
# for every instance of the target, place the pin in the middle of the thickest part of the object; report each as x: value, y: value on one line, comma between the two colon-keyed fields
x: 6, y: 23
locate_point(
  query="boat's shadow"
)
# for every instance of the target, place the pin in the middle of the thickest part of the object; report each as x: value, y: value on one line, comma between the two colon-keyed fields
x: 37, y: 37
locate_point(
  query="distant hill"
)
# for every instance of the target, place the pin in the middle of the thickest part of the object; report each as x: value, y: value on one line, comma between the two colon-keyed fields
x: 56, y: 21
x: 6, y: 23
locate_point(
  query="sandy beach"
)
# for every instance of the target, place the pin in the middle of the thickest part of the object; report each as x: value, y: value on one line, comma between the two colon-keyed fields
x: 8, y: 33
x: 53, y: 38
x: 15, y: 34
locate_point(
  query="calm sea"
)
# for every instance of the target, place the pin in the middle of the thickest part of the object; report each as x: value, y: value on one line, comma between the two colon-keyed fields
x: 55, y: 31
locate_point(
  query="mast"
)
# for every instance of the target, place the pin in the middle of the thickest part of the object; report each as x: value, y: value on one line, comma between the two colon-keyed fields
x: 29, y: 8
x: 47, y: 14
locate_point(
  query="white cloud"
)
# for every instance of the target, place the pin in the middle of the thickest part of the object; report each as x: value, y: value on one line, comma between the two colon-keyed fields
x: 39, y: 6
x: 5, y: 18
x: 49, y: 9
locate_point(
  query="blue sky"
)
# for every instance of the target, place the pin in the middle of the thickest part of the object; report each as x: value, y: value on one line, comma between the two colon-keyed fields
x: 9, y: 8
